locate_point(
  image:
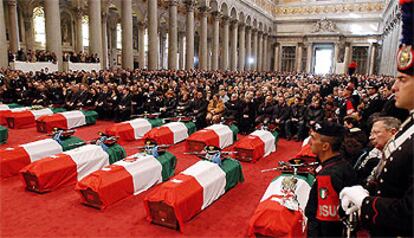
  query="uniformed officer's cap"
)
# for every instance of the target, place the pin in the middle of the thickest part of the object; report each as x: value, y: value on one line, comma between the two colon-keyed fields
x: 405, y: 55
x: 329, y: 129
x: 373, y: 85
x: 211, y: 149
x: 150, y: 142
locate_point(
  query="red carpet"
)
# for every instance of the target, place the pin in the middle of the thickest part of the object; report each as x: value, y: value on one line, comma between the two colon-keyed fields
x: 60, y: 214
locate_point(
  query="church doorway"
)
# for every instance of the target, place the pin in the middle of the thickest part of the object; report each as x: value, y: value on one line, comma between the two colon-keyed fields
x: 323, y: 59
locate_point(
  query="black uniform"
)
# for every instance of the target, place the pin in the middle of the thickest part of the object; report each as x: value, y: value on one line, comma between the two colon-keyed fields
x: 388, y: 211
x: 389, y: 109
x: 265, y: 112
x: 248, y: 116
x: 374, y: 105
x: 322, y: 207
x: 198, y: 109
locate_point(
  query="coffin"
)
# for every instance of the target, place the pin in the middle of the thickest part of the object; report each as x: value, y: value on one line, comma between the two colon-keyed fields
x: 13, y: 159
x: 171, y: 133
x: 133, y: 129
x: 182, y: 197
x: 67, y: 168
x: 275, y: 218
x: 27, y: 118
x: 219, y: 135
x: 258, y: 144
x: 130, y: 176
x: 66, y: 120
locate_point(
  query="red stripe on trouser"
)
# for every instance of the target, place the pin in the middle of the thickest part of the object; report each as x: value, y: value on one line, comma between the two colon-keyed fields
x: 11, y: 161
x: 162, y: 135
x: 111, y: 186
x: 54, y: 121
x: 274, y: 220
x: 23, y: 119
x: 53, y: 172
x: 209, y: 137
x: 185, y: 197
x: 253, y: 144
x: 123, y: 130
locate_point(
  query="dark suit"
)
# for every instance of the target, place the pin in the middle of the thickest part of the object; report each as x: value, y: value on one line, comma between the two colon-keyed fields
x: 388, y: 211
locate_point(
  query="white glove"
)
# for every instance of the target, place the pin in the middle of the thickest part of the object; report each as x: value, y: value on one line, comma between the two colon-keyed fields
x: 352, y: 197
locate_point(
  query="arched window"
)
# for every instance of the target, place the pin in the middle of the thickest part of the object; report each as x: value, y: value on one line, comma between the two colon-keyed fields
x: 85, y: 31
x: 39, y: 25
x: 118, y: 36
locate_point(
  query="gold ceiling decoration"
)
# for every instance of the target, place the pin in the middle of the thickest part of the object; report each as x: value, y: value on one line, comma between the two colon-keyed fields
x: 337, y: 8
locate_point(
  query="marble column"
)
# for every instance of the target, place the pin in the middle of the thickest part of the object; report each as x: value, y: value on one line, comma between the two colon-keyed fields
x: 53, y: 33
x: 189, y: 59
x: 309, y: 58
x: 277, y: 57
x: 105, y: 54
x: 22, y: 32
x: 225, y: 45
x: 14, y: 41
x: 172, y: 35
x: 255, y: 36
x: 127, y: 45
x: 264, y: 61
x: 372, y: 58
x: 181, y: 50
x: 260, y: 51
x: 95, y: 28
x: 141, y: 45
x: 299, y: 57
x: 242, y: 47
x: 216, y: 41
x: 209, y: 53
x: 203, y: 40
x: 79, y: 34
x: 234, y: 34
x: 152, y: 35
x: 347, y: 57
x: 3, y: 39
x: 163, y: 42
x: 248, y: 47
x: 28, y: 27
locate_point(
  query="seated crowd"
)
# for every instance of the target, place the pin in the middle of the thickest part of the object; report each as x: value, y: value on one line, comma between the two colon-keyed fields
x: 47, y: 56
x: 292, y: 102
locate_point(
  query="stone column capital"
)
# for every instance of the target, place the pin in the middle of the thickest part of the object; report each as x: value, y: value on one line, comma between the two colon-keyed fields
x: 172, y: 3
x: 225, y: 19
x: 79, y: 12
x: 11, y: 3
x: 142, y: 25
x: 216, y: 15
x: 190, y: 5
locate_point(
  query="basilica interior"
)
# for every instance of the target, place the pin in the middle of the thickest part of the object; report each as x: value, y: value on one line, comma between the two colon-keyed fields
x: 315, y: 36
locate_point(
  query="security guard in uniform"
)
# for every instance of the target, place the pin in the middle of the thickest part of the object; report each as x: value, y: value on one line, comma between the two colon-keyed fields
x: 334, y: 173
x: 387, y: 210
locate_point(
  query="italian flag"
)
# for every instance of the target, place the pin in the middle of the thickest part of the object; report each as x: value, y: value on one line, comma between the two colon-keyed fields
x: 9, y: 106
x: 171, y: 133
x: 272, y: 218
x: 258, y: 144
x: 196, y: 188
x: 133, y: 129
x: 66, y: 168
x: 130, y: 176
x: 66, y: 120
x: 218, y: 135
x: 3, y: 134
x: 4, y: 113
x: 14, y: 159
x: 27, y: 119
